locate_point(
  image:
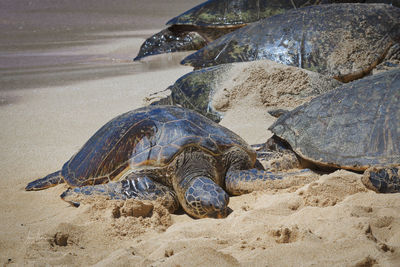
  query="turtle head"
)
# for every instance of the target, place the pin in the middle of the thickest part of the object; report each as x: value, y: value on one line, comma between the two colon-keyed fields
x: 205, y: 199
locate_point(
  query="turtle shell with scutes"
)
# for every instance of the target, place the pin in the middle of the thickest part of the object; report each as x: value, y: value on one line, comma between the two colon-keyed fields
x: 212, y: 19
x: 355, y: 126
x: 343, y: 41
x: 146, y: 137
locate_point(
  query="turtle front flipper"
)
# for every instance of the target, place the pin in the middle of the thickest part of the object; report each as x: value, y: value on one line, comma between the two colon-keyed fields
x: 140, y: 188
x: 238, y: 182
x: 382, y: 180
x: 48, y: 181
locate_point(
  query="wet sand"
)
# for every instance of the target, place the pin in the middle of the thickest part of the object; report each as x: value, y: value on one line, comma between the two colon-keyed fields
x: 66, y: 70
x: 48, y: 43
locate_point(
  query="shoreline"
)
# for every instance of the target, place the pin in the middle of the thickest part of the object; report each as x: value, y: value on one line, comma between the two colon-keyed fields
x: 68, y: 63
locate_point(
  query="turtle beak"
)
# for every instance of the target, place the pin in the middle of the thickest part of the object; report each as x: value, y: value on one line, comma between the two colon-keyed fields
x: 220, y: 214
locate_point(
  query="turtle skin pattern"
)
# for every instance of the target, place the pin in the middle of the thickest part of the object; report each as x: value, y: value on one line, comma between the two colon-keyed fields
x: 382, y: 180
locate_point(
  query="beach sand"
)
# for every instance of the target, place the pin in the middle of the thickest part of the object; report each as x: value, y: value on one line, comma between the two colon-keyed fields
x: 55, y: 94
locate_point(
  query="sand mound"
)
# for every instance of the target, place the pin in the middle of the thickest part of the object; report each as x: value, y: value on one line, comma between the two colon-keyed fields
x: 331, y: 189
x: 250, y: 89
x: 269, y: 84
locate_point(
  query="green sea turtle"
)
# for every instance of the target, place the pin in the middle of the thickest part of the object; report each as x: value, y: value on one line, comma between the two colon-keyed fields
x: 214, y: 90
x: 210, y: 20
x: 344, y: 41
x: 355, y: 126
x: 162, y: 152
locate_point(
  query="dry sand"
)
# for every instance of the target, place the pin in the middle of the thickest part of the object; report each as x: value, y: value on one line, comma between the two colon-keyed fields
x: 327, y: 220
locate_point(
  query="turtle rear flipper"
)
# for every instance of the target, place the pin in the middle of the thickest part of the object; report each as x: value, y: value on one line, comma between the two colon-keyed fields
x: 382, y: 180
x: 50, y: 180
x: 136, y: 187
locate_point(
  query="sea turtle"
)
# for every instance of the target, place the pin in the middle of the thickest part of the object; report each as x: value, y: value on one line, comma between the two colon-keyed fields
x: 210, y: 20
x: 355, y: 126
x: 212, y: 91
x: 162, y: 152
x: 344, y: 41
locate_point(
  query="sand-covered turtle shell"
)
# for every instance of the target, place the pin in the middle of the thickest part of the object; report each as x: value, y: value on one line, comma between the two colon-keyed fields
x: 212, y: 91
x: 344, y: 41
x: 149, y: 136
x: 354, y: 126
